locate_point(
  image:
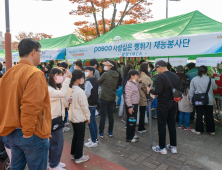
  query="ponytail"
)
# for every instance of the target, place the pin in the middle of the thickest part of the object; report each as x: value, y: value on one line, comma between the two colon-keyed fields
x: 76, y: 74
x: 202, y: 70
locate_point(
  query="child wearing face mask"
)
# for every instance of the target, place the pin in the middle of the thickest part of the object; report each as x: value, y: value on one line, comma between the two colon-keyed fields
x: 91, y: 90
x: 79, y: 114
x: 132, y: 99
x: 57, y: 93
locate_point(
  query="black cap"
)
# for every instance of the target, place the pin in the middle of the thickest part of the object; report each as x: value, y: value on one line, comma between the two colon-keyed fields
x: 160, y: 63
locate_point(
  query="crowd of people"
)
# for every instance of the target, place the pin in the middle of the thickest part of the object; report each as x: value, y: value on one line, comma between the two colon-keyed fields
x: 35, y: 107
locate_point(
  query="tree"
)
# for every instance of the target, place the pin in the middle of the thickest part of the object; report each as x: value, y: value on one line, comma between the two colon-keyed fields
x: 135, y: 11
x: 36, y: 36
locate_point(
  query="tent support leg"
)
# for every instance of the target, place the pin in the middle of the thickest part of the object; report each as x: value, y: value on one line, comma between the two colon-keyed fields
x: 125, y: 61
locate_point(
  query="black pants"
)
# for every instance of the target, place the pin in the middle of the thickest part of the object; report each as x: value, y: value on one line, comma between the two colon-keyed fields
x: 192, y: 114
x: 166, y: 112
x: 106, y: 107
x: 142, y: 117
x: 209, y: 118
x: 131, y: 122
x: 78, y: 139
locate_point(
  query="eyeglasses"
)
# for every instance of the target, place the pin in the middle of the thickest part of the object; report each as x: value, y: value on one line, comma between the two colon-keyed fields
x: 39, y: 51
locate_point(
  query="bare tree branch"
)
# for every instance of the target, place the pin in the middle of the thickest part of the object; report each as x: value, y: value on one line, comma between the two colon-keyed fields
x: 94, y: 15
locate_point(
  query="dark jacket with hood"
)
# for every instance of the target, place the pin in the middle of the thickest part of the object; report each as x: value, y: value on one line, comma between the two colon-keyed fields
x: 108, y: 81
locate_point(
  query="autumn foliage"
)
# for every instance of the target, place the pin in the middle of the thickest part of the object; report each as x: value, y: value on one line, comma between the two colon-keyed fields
x: 36, y: 36
x: 134, y: 11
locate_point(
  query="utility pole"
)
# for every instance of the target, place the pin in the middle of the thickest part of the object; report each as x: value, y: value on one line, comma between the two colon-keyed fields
x: 166, y: 8
x: 8, y: 46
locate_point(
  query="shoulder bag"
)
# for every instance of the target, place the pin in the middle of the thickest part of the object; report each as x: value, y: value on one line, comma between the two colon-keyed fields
x: 57, y: 123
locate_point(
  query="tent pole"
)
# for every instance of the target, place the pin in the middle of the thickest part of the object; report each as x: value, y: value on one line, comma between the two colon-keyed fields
x: 125, y: 61
x: 168, y: 59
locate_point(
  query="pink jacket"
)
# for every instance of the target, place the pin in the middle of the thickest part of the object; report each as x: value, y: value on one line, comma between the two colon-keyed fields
x: 132, y: 93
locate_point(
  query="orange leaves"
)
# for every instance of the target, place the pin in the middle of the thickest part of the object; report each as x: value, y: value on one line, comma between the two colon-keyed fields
x: 37, y: 36
x: 80, y: 23
x: 132, y: 12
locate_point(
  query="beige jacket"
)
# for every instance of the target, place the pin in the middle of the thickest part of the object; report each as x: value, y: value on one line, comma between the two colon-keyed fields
x: 145, y: 81
x: 57, y: 99
x: 79, y: 109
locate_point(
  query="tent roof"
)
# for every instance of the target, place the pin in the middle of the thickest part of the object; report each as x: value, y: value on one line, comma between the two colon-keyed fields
x: 61, y: 42
x: 191, y: 23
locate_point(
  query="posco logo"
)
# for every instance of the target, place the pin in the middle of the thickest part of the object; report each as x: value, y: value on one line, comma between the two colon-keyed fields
x: 103, y: 48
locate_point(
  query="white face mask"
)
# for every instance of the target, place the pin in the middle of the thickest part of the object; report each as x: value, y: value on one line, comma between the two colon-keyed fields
x: 86, y: 74
x: 43, y: 66
x: 106, y: 68
x: 134, y: 80
x: 149, y: 69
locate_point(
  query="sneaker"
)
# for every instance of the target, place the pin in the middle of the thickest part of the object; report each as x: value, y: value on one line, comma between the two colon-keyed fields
x: 212, y: 133
x: 91, y: 144
x: 180, y: 127
x: 67, y: 124
x: 101, y: 135
x: 155, y: 117
x: 187, y: 128
x: 172, y: 148
x: 73, y: 157
x: 57, y: 168
x: 110, y: 134
x: 62, y: 165
x: 157, y: 149
x: 90, y: 140
x: 141, y: 131
x: 194, y: 131
x: 66, y: 129
x: 84, y: 158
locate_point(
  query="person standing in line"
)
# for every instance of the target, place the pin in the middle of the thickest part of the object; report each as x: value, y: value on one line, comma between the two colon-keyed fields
x: 65, y: 68
x: 132, y: 100
x: 166, y: 106
x: 107, y: 96
x: 94, y: 64
x: 184, y: 105
x: 57, y: 93
x: 25, y: 117
x: 199, y: 85
x: 79, y: 114
x: 144, y: 75
x: 91, y: 90
x: 127, y: 68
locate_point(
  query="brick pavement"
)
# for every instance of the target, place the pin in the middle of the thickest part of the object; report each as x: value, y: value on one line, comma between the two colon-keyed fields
x: 194, y: 151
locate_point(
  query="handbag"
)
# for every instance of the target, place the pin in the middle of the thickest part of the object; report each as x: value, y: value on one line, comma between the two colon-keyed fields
x: 177, y: 96
x: 57, y: 123
x: 201, y: 99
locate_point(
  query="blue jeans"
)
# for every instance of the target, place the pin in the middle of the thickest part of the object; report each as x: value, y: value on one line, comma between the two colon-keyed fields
x: 154, y: 113
x: 66, y: 115
x: 33, y: 151
x: 92, y: 125
x: 185, y: 116
x: 56, y: 147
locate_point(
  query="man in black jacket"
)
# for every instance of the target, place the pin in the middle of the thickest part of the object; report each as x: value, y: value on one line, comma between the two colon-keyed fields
x: 91, y: 90
x: 166, y: 106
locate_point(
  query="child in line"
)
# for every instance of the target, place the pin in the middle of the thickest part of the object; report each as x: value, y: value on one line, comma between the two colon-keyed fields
x: 184, y: 105
x: 78, y: 115
x: 91, y: 90
x: 132, y: 100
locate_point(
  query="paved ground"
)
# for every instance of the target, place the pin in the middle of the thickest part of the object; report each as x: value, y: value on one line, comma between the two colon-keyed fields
x: 194, y: 151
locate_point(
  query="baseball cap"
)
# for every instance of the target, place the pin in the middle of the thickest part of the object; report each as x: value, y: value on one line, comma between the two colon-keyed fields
x: 160, y: 63
x: 180, y: 68
x: 107, y: 63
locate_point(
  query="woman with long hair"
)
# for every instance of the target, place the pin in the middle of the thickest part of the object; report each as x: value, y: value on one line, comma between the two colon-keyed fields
x: 145, y: 76
x: 79, y: 114
x: 57, y: 93
x: 198, y: 85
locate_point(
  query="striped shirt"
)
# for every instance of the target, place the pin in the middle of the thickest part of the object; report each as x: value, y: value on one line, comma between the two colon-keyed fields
x: 132, y: 93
